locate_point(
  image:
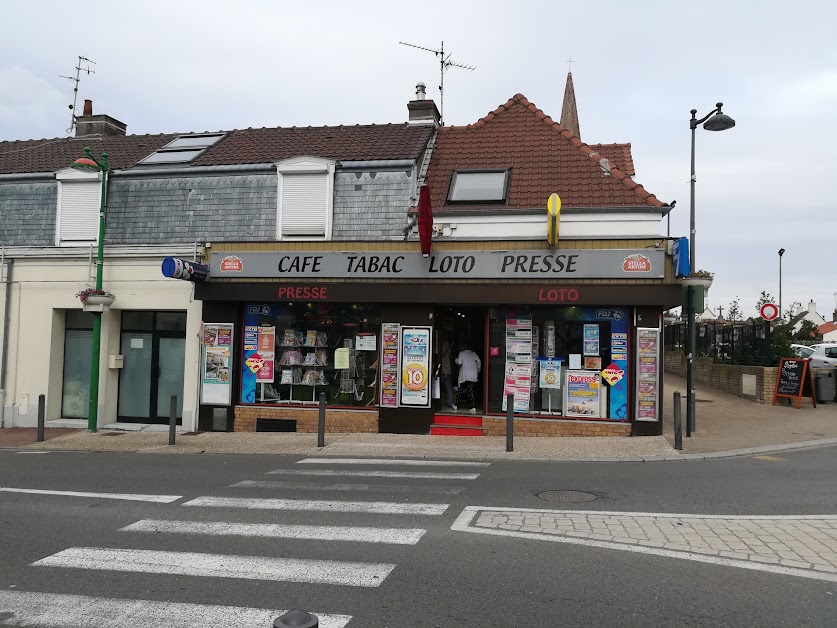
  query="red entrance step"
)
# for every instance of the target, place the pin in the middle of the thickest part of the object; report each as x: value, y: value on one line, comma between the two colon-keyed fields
x: 456, y: 425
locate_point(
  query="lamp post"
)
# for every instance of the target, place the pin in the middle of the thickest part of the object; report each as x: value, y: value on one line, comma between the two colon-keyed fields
x: 88, y: 162
x: 715, y: 120
x: 781, y: 252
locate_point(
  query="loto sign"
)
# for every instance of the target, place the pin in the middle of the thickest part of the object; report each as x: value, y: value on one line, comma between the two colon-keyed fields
x: 613, y: 374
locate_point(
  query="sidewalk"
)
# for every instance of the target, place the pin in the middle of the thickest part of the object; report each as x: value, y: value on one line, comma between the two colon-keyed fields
x: 726, y: 425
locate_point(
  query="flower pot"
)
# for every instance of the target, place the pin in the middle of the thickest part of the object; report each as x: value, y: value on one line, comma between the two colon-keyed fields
x: 702, y: 282
x: 99, y: 299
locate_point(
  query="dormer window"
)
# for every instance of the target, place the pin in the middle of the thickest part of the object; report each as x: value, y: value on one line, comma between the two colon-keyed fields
x: 183, y: 149
x: 480, y: 186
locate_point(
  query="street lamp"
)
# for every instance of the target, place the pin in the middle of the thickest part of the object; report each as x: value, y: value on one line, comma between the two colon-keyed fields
x: 715, y: 120
x: 88, y: 162
x: 781, y: 252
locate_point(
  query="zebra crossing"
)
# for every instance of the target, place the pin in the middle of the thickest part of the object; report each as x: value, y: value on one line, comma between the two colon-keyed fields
x: 284, y: 498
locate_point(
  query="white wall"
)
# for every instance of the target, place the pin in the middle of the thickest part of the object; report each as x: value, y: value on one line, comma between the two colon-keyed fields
x: 44, y: 288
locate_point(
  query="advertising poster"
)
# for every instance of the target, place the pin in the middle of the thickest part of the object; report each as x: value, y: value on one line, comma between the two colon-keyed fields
x: 550, y: 373
x: 216, y: 380
x: 415, y: 366
x: 390, y: 341
x: 365, y: 342
x: 518, y: 379
x: 593, y: 364
x: 591, y: 347
x: 581, y: 396
x: 647, y: 397
x: 251, y: 338
x: 267, y: 348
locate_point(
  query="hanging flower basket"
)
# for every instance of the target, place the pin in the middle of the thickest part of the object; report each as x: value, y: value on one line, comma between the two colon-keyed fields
x: 95, y: 300
x: 702, y: 278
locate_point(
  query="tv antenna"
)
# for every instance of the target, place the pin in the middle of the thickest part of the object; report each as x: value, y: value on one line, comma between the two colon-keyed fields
x: 445, y: 64
x: 83, y: 66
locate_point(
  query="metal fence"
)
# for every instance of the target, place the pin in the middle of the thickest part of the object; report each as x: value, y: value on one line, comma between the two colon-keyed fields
x: 726, y: 343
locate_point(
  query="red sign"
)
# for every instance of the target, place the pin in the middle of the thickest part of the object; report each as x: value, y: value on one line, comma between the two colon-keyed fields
x: 558, y: 295
x: 769, y: 312
x: 306, y: 293
x: 637, y: 263
x: 231, y: 264
x: 612, y: 374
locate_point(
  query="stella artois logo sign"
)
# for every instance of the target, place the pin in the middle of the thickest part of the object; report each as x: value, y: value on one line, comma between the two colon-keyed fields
x: 637, y: 263
x: 231, y: 264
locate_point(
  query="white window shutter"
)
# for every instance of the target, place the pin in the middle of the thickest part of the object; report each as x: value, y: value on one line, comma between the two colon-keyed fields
x: 79, y: 217
x: 304, y: 205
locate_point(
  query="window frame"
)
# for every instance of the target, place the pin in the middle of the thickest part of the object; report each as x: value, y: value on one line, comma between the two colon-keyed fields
x: 467, y: 171
x: 172, y: 147
x: 70, y: 176
x: 306, y: 165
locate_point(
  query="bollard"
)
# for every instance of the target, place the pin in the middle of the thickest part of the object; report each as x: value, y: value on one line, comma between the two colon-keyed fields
x: 510, y: 422
x: 678, y: 426
x: 300, y: 619
x: 688, y: 423
x: 321, y: 422
x: 172, y: 419
x: 41, y: 417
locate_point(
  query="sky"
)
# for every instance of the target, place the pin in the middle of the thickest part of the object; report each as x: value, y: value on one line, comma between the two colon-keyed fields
x: 638, y: 69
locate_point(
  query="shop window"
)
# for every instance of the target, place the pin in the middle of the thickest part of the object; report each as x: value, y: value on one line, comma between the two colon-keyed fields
x: 584, y: 340
x: 78, y: 345
x: 484, y: 186
x: 294, y: 352
x: 305, y: 198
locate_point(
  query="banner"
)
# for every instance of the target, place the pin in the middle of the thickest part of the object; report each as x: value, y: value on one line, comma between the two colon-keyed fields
x: 415, y: 366
x: 648, y: 375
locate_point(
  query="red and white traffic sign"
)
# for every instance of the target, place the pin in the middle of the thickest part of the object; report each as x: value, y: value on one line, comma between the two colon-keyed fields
x: 769, y: 311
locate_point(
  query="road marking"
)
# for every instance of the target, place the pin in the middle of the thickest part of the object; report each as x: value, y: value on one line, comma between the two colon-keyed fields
x: 379, y: 508
x: 394, y: 536
x: 423, y: 475
x: 31, y: 452
x: 385, y: 461
x: 464, y: 521
x: 221, y: 566
x: 770, y: 458
x: 53, y: 610
x: 160, y: 499
x: 384, y: 488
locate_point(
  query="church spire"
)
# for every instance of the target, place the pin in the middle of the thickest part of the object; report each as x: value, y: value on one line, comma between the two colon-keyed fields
x: 569, y: 112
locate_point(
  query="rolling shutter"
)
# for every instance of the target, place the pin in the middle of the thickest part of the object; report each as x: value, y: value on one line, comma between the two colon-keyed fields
x: 79, y: 217
x: 304, y: 205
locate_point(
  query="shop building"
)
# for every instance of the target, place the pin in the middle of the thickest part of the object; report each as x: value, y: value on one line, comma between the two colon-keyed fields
x: 172, y: 195
x: 571, y: 330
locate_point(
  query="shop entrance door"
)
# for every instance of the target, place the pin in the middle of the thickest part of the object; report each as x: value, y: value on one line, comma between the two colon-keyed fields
x: 460, y: 328
x: 154, y: 350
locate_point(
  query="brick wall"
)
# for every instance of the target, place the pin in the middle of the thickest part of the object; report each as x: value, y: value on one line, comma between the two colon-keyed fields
x: 337, y: 420
x: 534, y: 427
x: 733, y: 379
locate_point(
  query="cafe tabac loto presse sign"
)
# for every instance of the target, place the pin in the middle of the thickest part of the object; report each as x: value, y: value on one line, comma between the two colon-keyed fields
x: 545, y: 265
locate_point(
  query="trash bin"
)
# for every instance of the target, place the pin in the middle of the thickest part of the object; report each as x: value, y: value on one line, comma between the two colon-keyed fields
x: 825, y: 387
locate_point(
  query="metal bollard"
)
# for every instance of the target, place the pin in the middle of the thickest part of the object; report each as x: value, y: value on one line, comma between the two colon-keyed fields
x: 172, y: 419
x: 688, y: 423
x: 678, y: 427
x: 300, y: 619
x: 321, y: 421
x: 510, y: 422
x: 41, y: 417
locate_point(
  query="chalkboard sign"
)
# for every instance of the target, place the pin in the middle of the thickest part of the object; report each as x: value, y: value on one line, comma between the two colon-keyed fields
x: 793, y: 381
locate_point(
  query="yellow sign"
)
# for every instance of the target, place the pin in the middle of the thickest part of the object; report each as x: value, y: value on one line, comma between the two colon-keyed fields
x: 553, y: 210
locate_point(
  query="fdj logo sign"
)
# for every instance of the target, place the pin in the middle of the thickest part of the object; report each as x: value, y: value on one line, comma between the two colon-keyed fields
x: 259, y: 309
x: 614, y: 314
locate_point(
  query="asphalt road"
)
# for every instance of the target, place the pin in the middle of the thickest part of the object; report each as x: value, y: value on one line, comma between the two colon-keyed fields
x: 447, y: 578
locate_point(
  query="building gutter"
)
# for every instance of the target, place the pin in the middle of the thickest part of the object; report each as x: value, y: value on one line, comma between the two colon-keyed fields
x: 4, y: 350
x: 154, y: 250
x: 376, y: 164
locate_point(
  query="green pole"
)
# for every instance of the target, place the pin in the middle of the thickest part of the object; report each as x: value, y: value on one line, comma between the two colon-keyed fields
x: 93, y: 407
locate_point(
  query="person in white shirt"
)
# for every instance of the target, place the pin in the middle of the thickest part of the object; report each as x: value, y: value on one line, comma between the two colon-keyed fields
x: 469, y: 369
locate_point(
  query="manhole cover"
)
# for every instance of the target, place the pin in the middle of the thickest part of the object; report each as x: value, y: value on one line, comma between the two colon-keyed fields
x: 568, y: 497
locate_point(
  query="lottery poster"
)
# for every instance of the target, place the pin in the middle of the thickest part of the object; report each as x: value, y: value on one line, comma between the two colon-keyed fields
x: 390, y: 341
x: 415, y: 366
x: 648, y: 377
x: 216, y: 381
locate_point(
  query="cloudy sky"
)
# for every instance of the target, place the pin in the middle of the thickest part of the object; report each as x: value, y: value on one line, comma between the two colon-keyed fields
x: 640, y: 67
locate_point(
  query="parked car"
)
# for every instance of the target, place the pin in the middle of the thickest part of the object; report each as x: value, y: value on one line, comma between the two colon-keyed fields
x: 824, y: 355
x: 802, y: 351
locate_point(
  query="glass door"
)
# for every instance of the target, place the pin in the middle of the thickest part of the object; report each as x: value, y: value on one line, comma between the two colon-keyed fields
x: 154, y: 350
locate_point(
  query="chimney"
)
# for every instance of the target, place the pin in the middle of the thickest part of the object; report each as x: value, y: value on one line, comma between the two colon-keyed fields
x: 101, y: 125
x: 834, y: 317
x: 421, y: 110
x: 812, y: 307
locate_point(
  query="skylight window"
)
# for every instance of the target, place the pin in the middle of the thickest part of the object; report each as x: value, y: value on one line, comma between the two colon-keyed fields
x: 182, y: 149
x: 485, y: 186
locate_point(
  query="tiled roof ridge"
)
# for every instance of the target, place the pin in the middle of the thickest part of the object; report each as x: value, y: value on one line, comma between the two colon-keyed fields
x: 585, y: 149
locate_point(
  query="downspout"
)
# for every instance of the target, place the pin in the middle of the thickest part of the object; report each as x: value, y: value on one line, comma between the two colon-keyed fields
x: 4, y: 352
